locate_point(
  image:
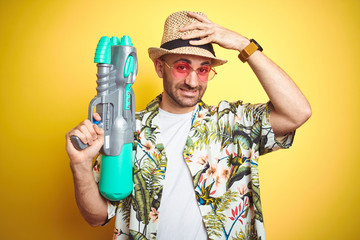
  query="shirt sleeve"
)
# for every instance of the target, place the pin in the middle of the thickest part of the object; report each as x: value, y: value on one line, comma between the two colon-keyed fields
x: 268, y: 142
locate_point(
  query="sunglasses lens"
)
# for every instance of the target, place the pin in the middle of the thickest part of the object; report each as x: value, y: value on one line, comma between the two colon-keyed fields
x: 182, y: 70
x: 203, y: 72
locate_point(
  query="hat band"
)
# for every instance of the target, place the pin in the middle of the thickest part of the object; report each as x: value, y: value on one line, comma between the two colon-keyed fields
x: 177, y: 43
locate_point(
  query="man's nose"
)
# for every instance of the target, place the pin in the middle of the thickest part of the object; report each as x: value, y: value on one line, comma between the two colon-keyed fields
x: 192, y: 79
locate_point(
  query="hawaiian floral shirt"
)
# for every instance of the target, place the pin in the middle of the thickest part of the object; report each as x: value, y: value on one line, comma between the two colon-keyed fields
x: 222, y: 152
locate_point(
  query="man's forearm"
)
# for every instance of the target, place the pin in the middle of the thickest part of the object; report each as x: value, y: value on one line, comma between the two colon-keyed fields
x: 91, y: 204
x: 291, y: 108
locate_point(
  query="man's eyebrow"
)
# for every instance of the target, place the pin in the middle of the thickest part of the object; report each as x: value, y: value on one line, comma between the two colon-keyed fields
x: 183, y: 60
x: 189, y: 62
x: 205, y: 63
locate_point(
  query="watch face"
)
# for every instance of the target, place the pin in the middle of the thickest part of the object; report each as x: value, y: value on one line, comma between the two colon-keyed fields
x: 258, y: 45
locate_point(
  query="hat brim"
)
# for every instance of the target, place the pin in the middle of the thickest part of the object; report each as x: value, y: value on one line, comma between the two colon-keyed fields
x: 155, y: 53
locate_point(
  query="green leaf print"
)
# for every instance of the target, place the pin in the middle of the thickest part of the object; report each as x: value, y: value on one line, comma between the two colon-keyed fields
x: 256, y: 132
x: 224, y: 134
x: 189, y: 142
x: 256, y: 201
x: 159, y: 147
x: 147, y: 132
x: 141, y: 202
x: 254, y: 112
x: 214, y: 220
x: 237, y: 174
x: 226, y: 111
x: 242, y: 138
x: 148, y: 121
x: 125, y: 206
x: 134, y: 235
x: 156, y: 200
x: 153, y: 106
x: 223, y: 203
x: 214, y: 225
x: 249, y: 233
x: 263, y: 142
x: 197, y: 177
x: 201, y: 135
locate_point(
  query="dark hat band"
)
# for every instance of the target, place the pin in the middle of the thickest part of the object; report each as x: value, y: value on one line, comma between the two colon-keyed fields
x: 177, y: 43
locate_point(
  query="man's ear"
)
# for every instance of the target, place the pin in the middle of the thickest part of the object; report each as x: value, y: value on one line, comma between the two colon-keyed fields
x: 159, y: 67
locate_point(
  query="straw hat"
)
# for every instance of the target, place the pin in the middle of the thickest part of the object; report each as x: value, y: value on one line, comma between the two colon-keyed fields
x: 172, y: 43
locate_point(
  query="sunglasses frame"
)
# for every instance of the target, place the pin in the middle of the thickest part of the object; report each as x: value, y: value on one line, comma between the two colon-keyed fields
x: 194, y: 70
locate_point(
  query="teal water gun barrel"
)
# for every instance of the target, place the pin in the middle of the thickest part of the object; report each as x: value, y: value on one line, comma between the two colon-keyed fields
x: 115, y: 102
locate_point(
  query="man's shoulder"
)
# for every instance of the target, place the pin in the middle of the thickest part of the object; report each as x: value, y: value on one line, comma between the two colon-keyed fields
x: 152, y: 107
x: 140, y: 114
x: 224, y: 105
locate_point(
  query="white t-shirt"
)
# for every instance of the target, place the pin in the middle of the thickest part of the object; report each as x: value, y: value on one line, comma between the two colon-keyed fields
x: 179, y: 214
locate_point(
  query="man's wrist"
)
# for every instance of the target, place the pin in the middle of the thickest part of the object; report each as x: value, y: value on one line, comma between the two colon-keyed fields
x: 81, y: 169
x: 243, y: 43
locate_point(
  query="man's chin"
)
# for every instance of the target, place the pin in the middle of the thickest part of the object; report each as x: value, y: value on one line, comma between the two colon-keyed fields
x: 188, y: 102
x: 184, y: 100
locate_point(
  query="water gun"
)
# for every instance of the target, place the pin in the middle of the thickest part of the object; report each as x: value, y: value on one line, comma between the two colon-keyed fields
x: 115, y: 102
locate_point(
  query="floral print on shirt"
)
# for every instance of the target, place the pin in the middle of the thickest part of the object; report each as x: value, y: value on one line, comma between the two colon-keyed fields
x: 222, y: 152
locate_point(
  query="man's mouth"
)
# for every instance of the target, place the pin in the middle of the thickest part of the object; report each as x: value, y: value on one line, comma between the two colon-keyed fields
x: 189, y: 92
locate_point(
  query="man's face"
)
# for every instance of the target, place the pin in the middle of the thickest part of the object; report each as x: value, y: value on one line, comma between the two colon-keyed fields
x: 181, y: 94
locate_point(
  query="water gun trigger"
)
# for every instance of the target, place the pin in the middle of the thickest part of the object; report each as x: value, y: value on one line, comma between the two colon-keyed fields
x: 96, y: 121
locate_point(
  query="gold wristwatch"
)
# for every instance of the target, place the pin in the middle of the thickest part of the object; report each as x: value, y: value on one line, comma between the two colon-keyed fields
x: 249, y: 49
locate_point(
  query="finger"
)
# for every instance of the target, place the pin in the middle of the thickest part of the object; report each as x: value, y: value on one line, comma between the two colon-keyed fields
x: 89, y: 126
x: 196, y: 34
x: 97, y: 116
x: 78, y: 134
x: 85, y: 131
x: 202, y: 41
x: 98, y: 130
x: 194, y: 26
x: 199, y: 17
x: 67, y: 137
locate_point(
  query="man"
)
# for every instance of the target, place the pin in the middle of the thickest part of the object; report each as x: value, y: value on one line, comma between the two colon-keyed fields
x: 196, y: 166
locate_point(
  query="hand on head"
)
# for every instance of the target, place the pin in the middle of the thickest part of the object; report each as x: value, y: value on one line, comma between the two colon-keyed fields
x: 209, y: 32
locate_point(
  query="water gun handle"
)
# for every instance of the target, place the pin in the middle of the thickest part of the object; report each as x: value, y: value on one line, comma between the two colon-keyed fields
x: 77, y: 143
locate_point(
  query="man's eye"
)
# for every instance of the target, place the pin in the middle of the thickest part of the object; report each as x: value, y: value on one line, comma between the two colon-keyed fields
x: 204, y: 69
x: 182, y: 67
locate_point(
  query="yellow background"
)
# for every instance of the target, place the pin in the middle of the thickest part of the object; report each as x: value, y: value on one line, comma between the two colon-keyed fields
x: 48, y: 78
